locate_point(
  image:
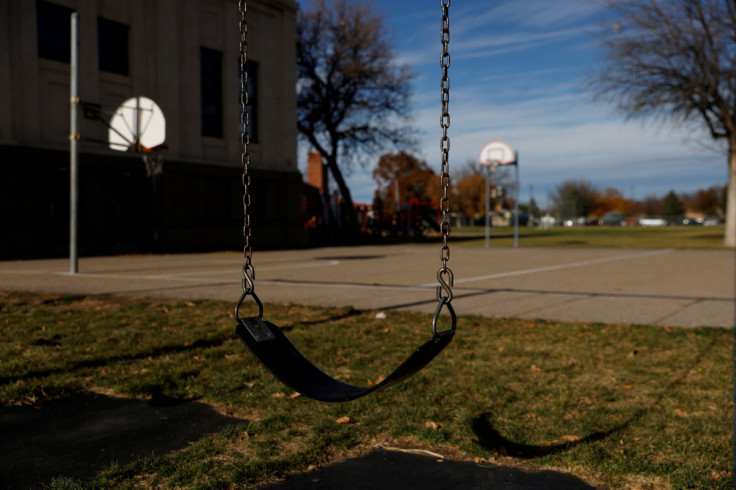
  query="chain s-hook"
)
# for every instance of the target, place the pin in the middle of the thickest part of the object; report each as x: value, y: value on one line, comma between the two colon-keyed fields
x: 444, y: 300
x: 249, y: 275
x: 445, y: 285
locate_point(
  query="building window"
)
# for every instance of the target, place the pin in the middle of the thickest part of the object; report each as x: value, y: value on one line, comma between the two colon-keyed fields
x: 252, y: 70
x: 53, y: 31
x: 211, y: 92
x: 112, y: 46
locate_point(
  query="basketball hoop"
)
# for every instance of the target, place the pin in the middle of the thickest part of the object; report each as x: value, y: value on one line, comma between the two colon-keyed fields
x: 153, y: 159
x: 492, y: 166
x: 492, y: 155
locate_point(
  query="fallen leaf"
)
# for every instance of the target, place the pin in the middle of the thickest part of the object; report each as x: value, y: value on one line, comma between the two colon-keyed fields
x: 571, y: 438
x: 681, y: 413
x: 295, y: 395
x: 535, y: 368
x: 189, y: 303
x: 278, y: 395
x: 343, y: 420
x: 501, y: 349
x: 431, y: 425
x: 626, y: 387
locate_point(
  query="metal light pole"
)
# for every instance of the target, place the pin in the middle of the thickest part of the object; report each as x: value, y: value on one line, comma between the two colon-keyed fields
x: 74, y: 145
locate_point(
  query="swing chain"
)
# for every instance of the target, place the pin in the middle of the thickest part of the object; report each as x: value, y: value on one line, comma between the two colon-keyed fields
x: 445, y: 277
x: 445, y: 148
x: 248, y: 271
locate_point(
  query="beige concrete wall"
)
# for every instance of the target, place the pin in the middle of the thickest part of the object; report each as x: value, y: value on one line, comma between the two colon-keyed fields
x: 164, y: 43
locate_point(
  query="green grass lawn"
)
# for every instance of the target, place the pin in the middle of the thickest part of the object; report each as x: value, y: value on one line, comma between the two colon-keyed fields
x: 680, y: 237
x: 616, y: 405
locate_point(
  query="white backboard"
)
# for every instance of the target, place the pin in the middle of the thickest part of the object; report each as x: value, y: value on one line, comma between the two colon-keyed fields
x: 137, y: 121
x: 496, y: 151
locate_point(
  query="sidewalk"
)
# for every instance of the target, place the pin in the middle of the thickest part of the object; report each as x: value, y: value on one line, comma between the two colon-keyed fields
x: 658, y: 287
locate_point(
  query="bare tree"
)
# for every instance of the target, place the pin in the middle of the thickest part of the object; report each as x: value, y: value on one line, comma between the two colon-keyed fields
x: 352, y: 95
x: 574, y: 198
x: 677, y: 59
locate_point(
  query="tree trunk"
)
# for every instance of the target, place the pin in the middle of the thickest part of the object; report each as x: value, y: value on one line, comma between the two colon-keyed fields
x: 730, y: 234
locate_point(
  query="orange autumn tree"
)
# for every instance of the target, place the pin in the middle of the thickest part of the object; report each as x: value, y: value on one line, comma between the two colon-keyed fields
x: 611, y: 199
x: 403, y: 176
x: 468, y: 196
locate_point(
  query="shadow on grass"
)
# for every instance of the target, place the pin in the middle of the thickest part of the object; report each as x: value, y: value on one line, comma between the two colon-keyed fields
x: 78, y: 436
x: 490, y: 439
x: 156, y: 352
x: 101, y: 362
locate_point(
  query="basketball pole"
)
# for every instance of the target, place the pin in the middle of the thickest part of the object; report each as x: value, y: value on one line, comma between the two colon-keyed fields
x: 516, y: 202
x: 488, y: 205
x: 74, y: 145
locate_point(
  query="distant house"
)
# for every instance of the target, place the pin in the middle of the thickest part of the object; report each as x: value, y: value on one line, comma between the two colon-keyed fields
x: 183, y: 54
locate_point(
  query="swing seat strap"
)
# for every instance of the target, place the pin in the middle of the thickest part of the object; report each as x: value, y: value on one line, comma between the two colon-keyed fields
x: 284, y: 361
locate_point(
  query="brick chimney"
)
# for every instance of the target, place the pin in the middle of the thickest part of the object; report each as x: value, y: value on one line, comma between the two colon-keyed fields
x: 316, y: 176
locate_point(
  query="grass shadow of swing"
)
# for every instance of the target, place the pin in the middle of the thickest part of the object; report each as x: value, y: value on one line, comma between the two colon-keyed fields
x: 105, y: 361
x: 489, y: 438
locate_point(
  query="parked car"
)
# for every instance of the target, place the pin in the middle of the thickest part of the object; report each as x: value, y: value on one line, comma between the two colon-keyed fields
x: 612, y: 218
x: 652, y: 222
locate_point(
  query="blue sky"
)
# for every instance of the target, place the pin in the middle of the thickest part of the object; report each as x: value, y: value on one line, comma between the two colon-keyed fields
x: 517, y: 72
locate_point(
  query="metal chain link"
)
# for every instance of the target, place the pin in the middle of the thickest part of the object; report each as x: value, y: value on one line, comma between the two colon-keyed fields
x: 445, y: 284
x: 248, y: 271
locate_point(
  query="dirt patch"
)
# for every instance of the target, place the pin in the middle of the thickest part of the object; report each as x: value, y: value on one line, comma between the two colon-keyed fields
x: 80, y: 435
x: 391, y: 469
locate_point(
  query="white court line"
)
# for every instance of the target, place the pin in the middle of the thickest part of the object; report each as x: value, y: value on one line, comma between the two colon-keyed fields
x: 272, y: 282
x: 343, y: 285
x: 180, y: 276
x: 259, y: 269
x: 557, y: 267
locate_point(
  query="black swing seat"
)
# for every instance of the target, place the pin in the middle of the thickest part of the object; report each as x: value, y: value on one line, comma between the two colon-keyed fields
x: 271, y: 347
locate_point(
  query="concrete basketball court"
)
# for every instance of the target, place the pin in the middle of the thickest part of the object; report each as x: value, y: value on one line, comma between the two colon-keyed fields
x: 658, y: 287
